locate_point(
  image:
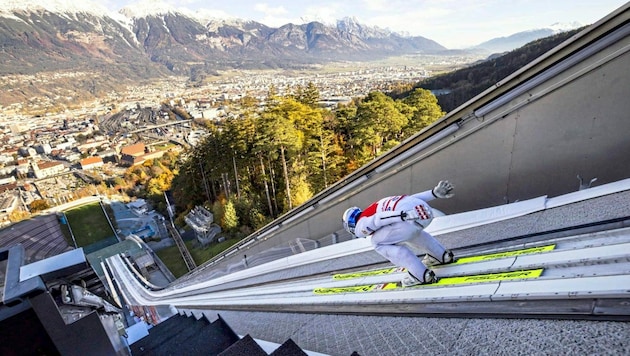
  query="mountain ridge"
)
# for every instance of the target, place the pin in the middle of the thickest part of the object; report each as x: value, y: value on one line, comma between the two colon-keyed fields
x: 519, y: 39
x: 103, y: 51
x: 173, y: 38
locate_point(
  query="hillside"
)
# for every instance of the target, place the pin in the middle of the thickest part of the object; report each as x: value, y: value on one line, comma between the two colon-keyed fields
x: 457, y: 87
x: 40, y: 37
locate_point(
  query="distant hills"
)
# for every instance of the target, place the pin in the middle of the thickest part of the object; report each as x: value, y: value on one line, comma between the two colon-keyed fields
x: 508, y: 43
x: 459, y: 86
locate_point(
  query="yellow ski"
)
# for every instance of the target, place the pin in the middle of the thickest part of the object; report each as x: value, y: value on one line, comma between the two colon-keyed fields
x: 478, y: 278
x: 463, y: 260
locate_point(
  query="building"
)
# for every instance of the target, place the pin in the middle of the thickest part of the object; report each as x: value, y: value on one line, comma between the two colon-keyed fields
x: 152, y: 155
x: 91, y: 162
x: 202, y: 222
x: 92, y: 144
x: 137, y: 154
x: 22, y: 167
x: 27, y: 151
x: 7, y: 180
x: 109, y: 155
x: 43, y: 148
x: 43, y: 169
x: 5, y: 158
x: 137, y: 149
x: 132, y: 155
x: 8, y: 203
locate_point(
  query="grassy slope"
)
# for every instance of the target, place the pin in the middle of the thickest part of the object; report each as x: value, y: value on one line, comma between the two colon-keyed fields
x: 88, y: 224
x: 173, y: 260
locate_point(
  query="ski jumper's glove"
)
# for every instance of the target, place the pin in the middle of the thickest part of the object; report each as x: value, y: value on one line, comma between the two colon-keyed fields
x: 419, y: 212
x: 443, y: 190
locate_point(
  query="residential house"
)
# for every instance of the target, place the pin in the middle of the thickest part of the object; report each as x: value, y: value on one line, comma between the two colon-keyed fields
x: 9, y: 169
x: 91, y: 144
x: 43, y: 148
x: 23, y: 167
x: 7, y: 180
x: 27, y: 151
x: 8, y: 187
x: 8, y: 203
x: 91, y: 162
x: 70, y: 156
x: 132, y: 155
x: 43, y: 169
x: 9, y: 197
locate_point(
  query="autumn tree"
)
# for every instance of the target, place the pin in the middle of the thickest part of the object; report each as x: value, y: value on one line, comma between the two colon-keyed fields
x: 38, y: 205
x: 281, y: 137
x: 230, y: 219
x: 18, y: 215
x: 308, y: 95
x: 424, y: 110
x: 378, y: 122
x: 271, y: 156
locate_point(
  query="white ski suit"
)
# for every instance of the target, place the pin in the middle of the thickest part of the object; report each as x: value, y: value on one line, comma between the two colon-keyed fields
x: 384, y: 220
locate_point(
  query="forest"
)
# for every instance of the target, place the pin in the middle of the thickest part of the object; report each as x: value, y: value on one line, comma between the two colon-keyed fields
x: 275, y: 155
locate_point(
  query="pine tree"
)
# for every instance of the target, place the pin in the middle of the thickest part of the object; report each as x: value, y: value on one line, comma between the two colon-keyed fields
x: 230, y: 219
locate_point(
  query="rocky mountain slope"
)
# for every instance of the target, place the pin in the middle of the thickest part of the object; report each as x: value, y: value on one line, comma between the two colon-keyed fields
x: 59, y: 35
x: 77, y: 50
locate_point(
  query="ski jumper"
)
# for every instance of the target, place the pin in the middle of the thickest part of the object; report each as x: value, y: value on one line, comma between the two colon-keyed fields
x: 389, y: 231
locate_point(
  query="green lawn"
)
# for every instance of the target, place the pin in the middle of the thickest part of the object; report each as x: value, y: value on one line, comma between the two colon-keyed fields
x: 89, y: 224
x: 173, y: 260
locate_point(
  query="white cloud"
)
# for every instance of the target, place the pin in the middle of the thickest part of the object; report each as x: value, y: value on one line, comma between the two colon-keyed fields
x: 271, y: 11
x: 376, y: 5
x: 454, y: 24
x: 325, y: 14
x: 273, y: 16
x: 207, y: 15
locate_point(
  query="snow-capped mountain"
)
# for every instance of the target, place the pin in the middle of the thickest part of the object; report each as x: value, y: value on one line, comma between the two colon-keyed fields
x: 56, y: 6
x: 516, y: 40
x: 564, y: 27
x: 352, y: 26
x: 150, y: 39
x: 62, y: 34
x: 150, y: 8
x: 175, y: 38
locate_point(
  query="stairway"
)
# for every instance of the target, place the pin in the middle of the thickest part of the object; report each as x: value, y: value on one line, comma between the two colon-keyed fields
x: 187, y: 335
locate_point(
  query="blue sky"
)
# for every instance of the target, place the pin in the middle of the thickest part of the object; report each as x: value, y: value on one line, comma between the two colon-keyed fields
x: 452, y: 23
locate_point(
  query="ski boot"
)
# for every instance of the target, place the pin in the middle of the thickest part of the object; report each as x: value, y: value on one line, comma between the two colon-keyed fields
x: 447, y: 258
x: 428, y: 278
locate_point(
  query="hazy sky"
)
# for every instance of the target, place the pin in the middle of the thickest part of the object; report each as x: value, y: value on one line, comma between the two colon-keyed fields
x: 452, y: 23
